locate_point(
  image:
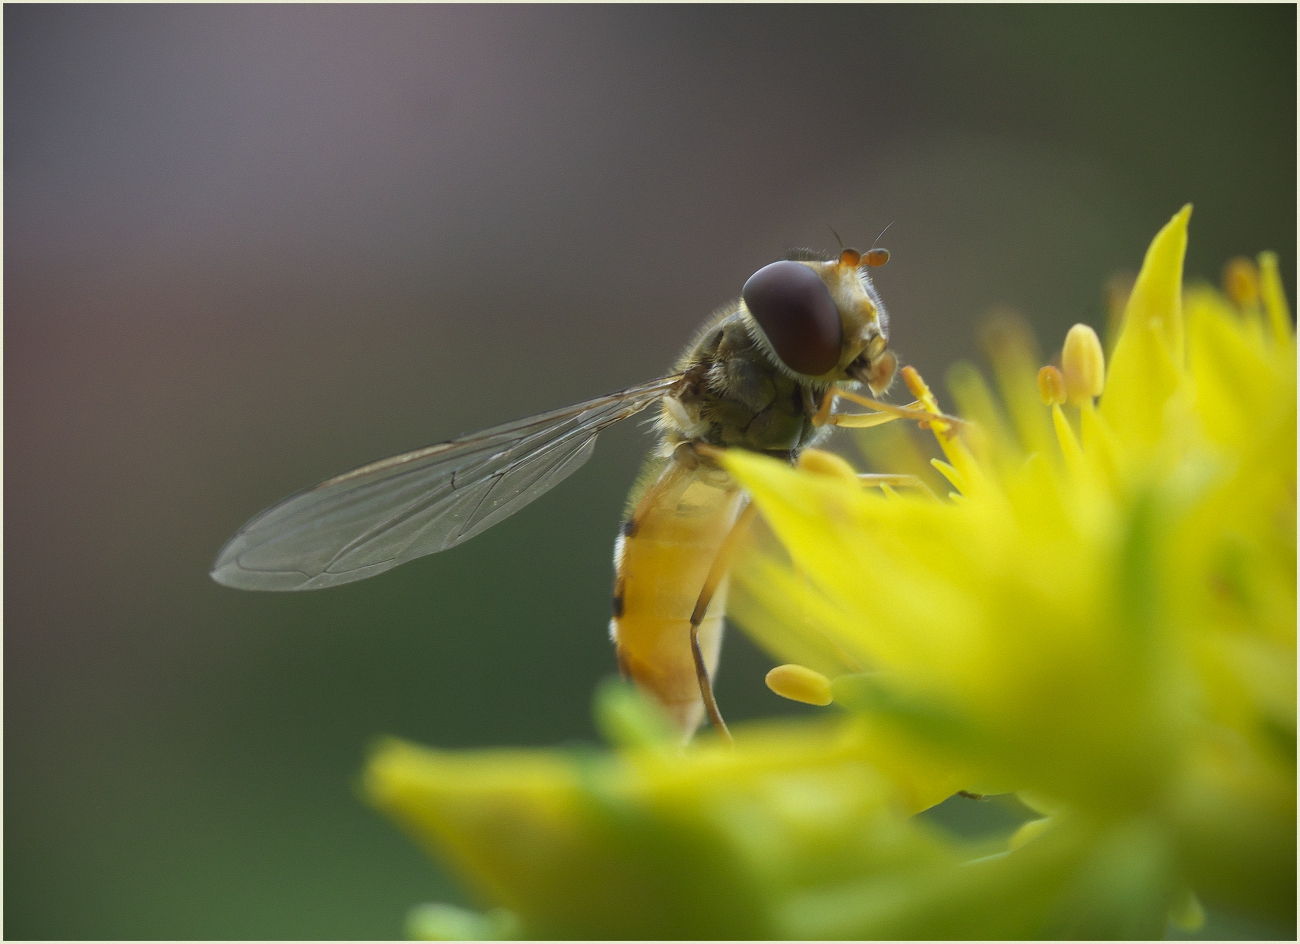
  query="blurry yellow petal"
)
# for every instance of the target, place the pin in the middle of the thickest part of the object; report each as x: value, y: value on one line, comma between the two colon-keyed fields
x: 1187, y: 915
x: 626, y: 718
x: 1029, y: 831
x: 791, y: 620
x: 1144, y: 370
x: 1236, y: 385
x: 441, y: 922
x: 796, y: 505
x: 1279, y: 314
x: 471, y: 806
x: 1069, y: 444
x: 975, y: 402
x: 1012, y: 352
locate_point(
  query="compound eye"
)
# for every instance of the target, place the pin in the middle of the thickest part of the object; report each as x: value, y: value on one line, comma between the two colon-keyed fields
x: 794, y: 308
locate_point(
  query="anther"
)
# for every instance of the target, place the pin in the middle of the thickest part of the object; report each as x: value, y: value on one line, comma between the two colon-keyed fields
x: 821, y: 462
x: 1051, y: 386
x: 1084, y: 364
x: 1241, y: 282
x: 799, y: 683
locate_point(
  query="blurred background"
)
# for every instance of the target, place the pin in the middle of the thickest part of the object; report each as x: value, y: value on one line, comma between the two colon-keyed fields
x: 249, y: 247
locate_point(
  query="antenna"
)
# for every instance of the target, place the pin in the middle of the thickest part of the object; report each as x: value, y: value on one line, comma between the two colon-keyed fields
x: 875, y: 257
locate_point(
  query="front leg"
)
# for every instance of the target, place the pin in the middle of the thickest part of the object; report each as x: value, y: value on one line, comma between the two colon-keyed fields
x: 821, y: 414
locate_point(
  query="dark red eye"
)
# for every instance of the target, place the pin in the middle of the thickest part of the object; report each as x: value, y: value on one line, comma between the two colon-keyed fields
x: 794, y: 308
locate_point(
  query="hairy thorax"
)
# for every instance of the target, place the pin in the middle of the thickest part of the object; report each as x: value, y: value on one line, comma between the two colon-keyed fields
x: 733, y: 395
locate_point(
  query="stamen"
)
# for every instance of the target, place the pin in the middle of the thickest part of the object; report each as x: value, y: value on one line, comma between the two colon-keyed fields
x: 1083, y: 363
x: 921, y: 390
x: 1069, y: 444
x: 1051, y: 386
x: 799, y: 683
x: 886, y: 481
x: 951, y: 444
x: 952, y: 475
x: 1241, y: 282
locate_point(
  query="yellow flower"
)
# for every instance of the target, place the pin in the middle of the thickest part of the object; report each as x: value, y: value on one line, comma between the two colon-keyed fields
x: 1100, y: 616
x: 648, y: 841
x: 1102, y: 613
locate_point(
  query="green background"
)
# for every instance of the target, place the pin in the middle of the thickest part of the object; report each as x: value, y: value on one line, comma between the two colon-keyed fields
x: 249, y: 247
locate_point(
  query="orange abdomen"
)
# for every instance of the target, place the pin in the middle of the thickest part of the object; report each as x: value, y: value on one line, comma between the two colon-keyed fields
x: 661, y: 561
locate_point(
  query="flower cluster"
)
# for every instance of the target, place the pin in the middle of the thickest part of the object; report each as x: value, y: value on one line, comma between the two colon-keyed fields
x: 1099, y: 617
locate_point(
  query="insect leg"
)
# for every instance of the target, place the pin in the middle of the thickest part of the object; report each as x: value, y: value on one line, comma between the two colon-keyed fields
x: 818, y: 414
x: 908, y: 412
x: 721, y: 563
x: 885, y: 412
x: 903, y: 480
x: 860, y: 420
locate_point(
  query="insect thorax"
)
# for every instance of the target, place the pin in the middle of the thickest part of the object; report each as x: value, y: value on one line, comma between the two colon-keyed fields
x: 735, y: 395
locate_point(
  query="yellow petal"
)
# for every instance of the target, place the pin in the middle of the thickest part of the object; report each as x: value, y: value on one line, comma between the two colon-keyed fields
x: 1279, y: 315
x: 1144, y: 370
x: 1029, y: 831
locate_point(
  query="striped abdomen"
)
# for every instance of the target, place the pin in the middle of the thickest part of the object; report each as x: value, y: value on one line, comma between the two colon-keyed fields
x: 661, y: 561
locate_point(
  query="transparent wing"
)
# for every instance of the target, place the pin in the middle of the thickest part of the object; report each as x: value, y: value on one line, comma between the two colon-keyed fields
x: 366, y: 521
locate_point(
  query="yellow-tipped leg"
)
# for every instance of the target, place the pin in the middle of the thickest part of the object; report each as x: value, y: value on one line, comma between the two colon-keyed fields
x: 885, y: 412
x: 823, y: 414
x: 860, y: 420
x: 819, y: 415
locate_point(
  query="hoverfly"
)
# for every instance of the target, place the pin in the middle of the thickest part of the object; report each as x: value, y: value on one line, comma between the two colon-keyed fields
x: 762, y: 374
